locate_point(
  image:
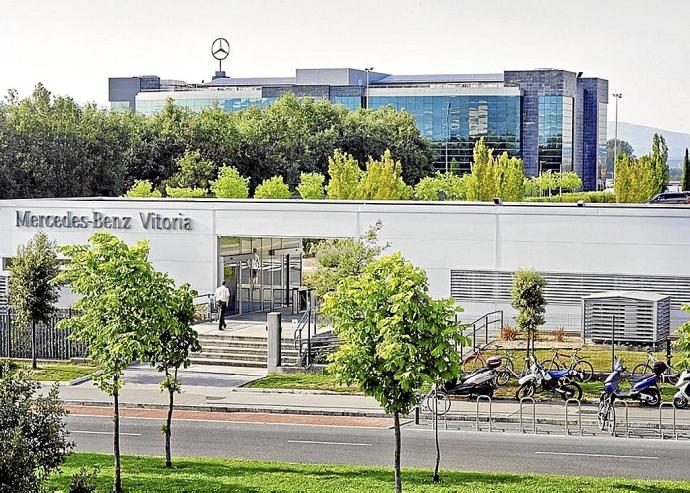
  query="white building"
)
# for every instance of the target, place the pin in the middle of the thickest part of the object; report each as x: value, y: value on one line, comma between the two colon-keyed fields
x: 469, y: 250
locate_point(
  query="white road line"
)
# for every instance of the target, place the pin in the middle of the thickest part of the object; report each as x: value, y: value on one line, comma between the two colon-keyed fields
x: 87, y: 432
x: 312, y: 442
x: 599, y: 455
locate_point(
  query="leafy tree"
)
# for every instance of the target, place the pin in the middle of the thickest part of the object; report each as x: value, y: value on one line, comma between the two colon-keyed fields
x: 184, y: 192
x: 659, y: 160
x: 172, y: 348
x: 33, y: 435
x: 635, y: 179
x: 382, y: 180
x: 441, y: 186
x: 532, y: 188
x: 483, y: 182
x: 685, y: 180
x: 547, y: 181
x: 311, y: 186
x: 33, y: 293
x: 395, y: 336
x: 193, y: 171
x: 230, y: 184
x: 623, y: 148
x: 345, y: 174
x: 511, y: 178
x: 121, y: 309
x: 141, y: 189
x: 342, y: 258
x: 568, y: 180
x: 273, y: 188
x: 528, y: 300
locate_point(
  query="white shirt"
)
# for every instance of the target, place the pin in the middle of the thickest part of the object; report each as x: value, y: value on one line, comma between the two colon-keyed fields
x: 222, y: 294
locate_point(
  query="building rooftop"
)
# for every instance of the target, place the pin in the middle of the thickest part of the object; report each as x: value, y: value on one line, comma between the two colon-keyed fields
x: 439, y: 78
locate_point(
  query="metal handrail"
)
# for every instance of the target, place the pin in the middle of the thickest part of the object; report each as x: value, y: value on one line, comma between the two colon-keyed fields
x: 579, y: 415
x: 479, y: 398
x: 661, y: 409
x: 477, y: 328
x: 534, y: 414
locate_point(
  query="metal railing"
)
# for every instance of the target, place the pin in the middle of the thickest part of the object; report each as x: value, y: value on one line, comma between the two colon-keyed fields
x: 483, y: 323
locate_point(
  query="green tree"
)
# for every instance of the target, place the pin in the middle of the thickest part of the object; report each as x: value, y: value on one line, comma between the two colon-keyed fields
x: 441, y: 186
x: 33, y: 293
x: 142, y: 189
x: 546, y: 181
x: 623, y: 148
x: 230, y: 184
x: 511, y: 178
x: 382, y: 180
x: 659, y: 160
x: 121, y: 309
x: 344, y: 174
x: 184, y: 192
x: 685, y: 180
x: 273, y: 188
x: 342, y: 258
x: 528, y: 300
x: 171, y: 350
x: 635, y: 179
x: 33, y: 434
x: 482, y: 184
x: 395, y: 336
x: 683, y: 341
x: 568, y: 180
x: 193, y: 171
x: 311, y: 186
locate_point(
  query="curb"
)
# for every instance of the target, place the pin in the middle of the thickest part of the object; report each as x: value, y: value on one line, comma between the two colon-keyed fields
x: 84, y: 379
x: 263, y: 390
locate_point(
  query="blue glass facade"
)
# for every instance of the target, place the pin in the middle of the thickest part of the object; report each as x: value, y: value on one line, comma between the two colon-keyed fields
x: 555, y: 133
x: 461, y: 121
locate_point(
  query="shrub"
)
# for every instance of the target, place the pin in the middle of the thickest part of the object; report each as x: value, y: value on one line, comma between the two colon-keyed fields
x: 84, y: 481
x: 593, y: 197
x: 273, y: 188
x: 230, y: 184
x: 559, y: 334
x: 141, y: 189
x: 184, y: 192
x: 509, y: 333
x: 311, y: 186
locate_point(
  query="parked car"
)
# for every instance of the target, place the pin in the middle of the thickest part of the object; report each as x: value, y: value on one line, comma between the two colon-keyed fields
x: 671, y: 198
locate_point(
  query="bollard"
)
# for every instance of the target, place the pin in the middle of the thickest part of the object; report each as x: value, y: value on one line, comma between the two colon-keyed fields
x: 273, y: 325
x: 579, y: 415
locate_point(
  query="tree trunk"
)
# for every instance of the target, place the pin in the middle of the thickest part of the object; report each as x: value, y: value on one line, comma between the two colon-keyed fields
x: 436, y: 478
x: 34, y: 366
x: 117, y: 485
x: 398, y: 479
x: 168, y: 424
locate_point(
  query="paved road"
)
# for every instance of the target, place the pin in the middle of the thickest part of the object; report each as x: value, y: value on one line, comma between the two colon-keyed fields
x: 637, y: 458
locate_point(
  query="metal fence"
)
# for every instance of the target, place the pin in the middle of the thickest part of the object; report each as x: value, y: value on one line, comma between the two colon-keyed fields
x: 51, y: 343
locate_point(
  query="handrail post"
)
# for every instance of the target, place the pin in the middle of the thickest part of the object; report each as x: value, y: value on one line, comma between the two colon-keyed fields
x: 661, y: 408
x: 479, y: 398
x: 579, y: 415
x: 534, y: 414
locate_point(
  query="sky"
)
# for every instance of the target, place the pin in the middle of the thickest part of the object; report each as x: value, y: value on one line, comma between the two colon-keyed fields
x: 73, y: 46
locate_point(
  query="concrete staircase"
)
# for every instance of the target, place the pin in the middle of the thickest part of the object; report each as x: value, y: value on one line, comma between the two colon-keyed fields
x: 237, y: 350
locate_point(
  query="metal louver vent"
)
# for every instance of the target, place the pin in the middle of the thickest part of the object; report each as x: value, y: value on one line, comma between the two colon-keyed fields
x: 564, y: 288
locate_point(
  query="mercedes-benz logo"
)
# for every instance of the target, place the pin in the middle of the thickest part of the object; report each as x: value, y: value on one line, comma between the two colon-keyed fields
x: 220, y: 48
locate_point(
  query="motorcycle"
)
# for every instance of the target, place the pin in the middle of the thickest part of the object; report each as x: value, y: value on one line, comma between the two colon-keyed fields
x: 479, y: 382
x: 557, y: 382
x: 646, y: 391
x: 682, y: 397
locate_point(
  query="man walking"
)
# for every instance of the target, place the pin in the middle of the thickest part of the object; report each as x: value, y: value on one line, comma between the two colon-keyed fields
x: 222, y: 298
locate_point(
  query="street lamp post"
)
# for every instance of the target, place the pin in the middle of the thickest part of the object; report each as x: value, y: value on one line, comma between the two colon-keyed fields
x: 617, y: 95
x: 366, y: 91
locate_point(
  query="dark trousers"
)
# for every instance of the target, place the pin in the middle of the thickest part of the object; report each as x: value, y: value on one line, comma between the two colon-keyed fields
x: 222, y: 306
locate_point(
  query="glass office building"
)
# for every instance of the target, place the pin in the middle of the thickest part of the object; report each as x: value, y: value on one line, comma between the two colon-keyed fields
x: 555, y: 120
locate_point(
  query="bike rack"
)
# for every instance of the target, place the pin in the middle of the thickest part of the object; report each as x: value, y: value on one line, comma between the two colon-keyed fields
x: 661, y: 429
x: 534, y: 414
x: 627, y: 424
x: 579, y: 415
x: 479, y: 398
x: 434, y: 411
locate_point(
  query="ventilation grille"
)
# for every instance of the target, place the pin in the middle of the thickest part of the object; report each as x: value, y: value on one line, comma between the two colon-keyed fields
x: 3, y: 295
x: 564, y: 288
x: 634, y: 320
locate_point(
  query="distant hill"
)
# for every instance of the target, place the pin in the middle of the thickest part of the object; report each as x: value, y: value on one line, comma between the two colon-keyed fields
x: 640, y: 137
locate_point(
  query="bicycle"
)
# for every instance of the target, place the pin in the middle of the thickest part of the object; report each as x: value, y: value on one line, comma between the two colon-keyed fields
x: 669, y: 376
x: 476, y: 359
x: 508, y: 370
x: 572, y: 361
x: 435, y: 401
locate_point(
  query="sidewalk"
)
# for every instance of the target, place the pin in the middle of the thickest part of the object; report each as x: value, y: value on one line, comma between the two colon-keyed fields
x: 218, y: 389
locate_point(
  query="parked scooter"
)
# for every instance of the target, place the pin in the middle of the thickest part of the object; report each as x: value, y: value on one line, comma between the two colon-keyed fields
x: 479, y: 382
x: 682, y: 397
x: 557, y: 382
x: 646, y: 391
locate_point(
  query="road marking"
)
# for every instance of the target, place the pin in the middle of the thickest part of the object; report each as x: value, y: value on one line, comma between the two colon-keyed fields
x: 313, y: 442
x: 87, y: 432
x: 599, y: 455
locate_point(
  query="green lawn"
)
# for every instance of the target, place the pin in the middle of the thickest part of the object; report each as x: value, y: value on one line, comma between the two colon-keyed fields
x: 147, y: 474
x: 54, y: 371
x: 304, y: 381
